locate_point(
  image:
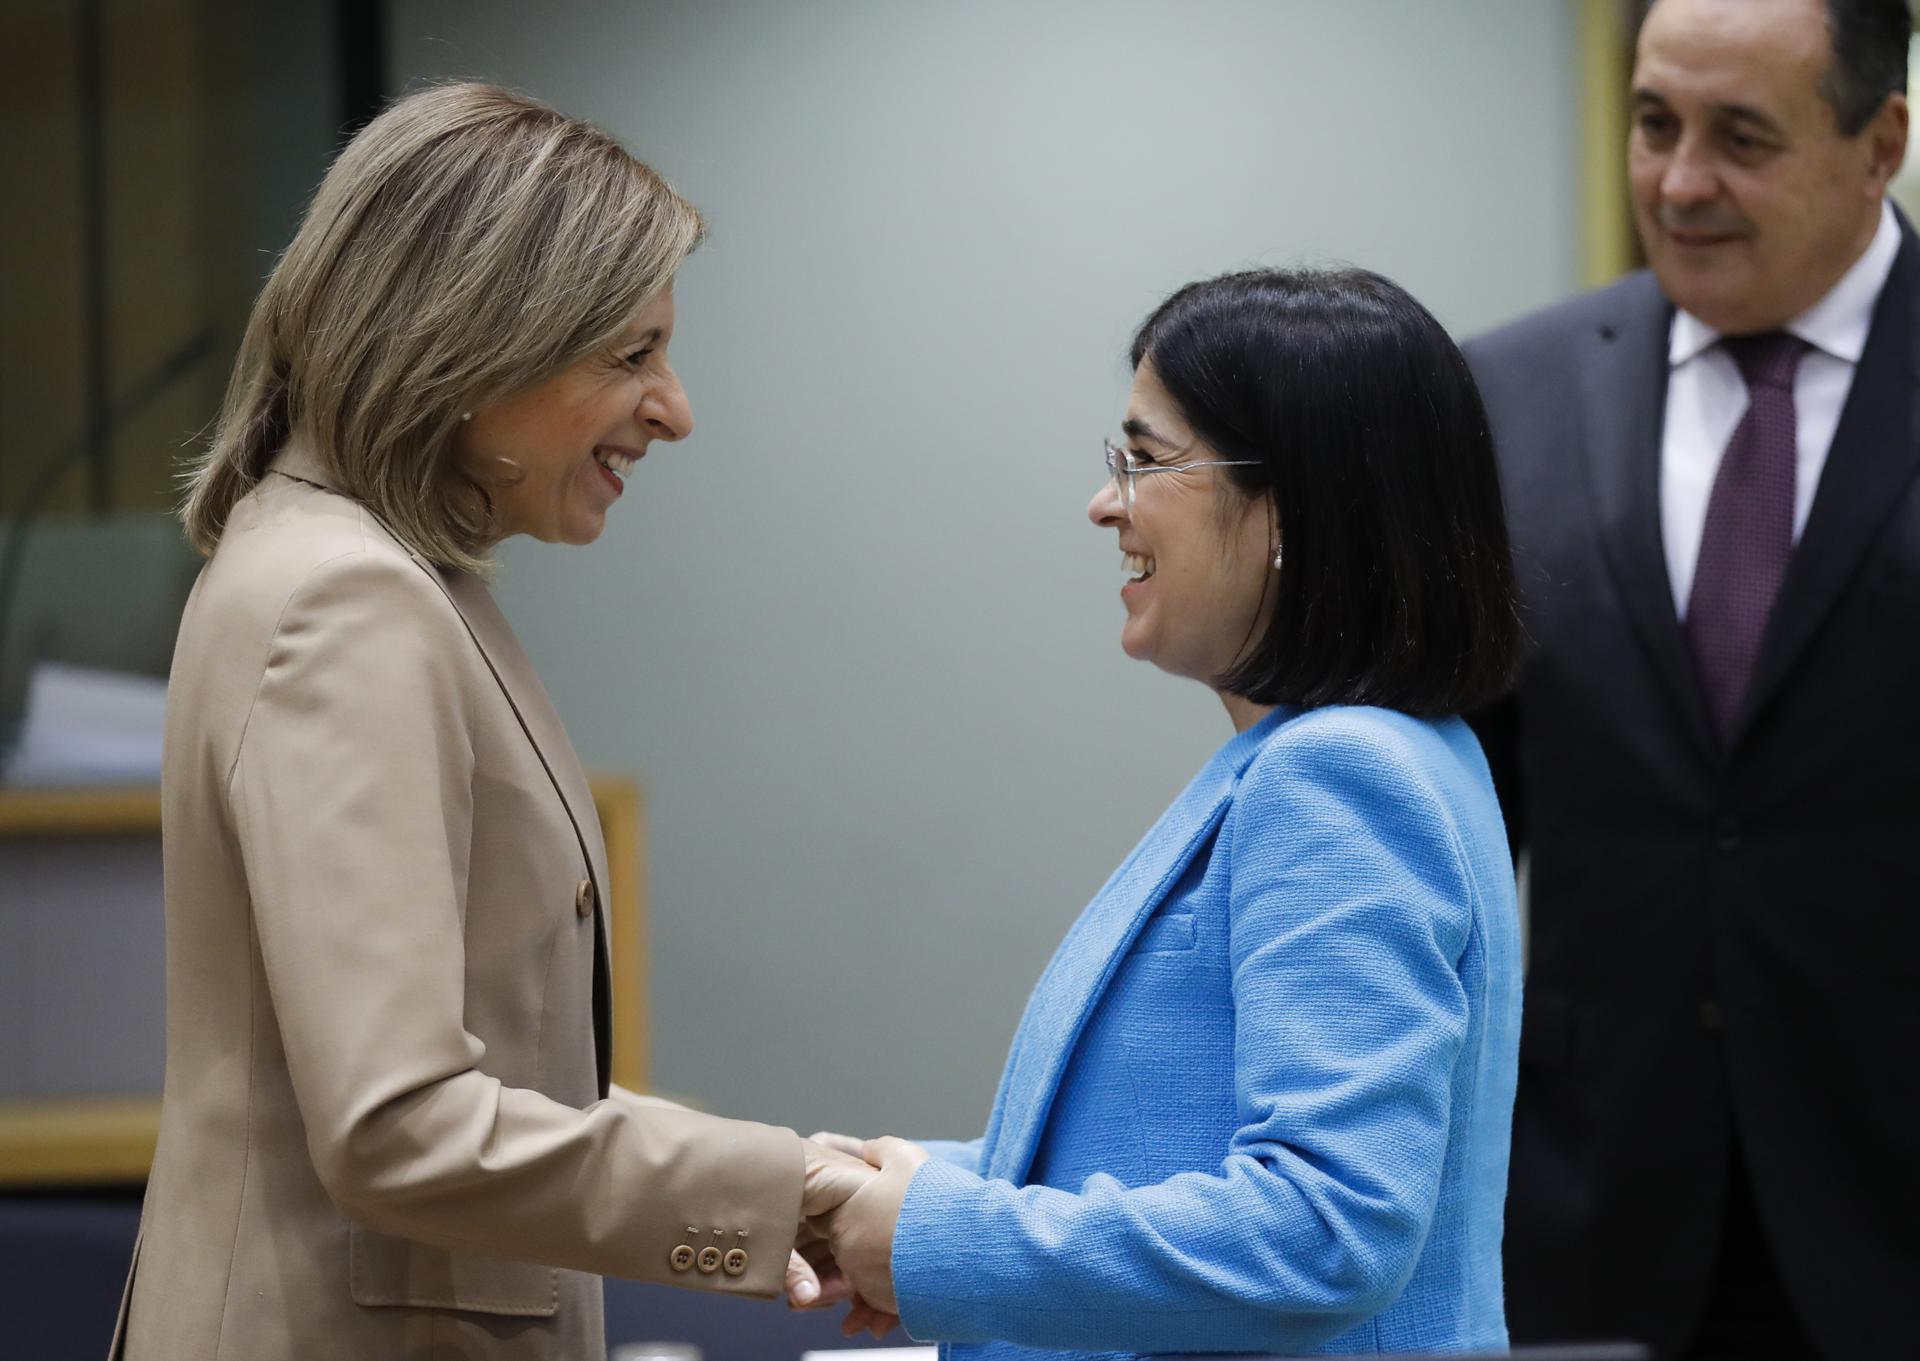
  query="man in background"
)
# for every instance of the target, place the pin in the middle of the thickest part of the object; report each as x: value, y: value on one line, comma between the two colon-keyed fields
x: 1713, y: 758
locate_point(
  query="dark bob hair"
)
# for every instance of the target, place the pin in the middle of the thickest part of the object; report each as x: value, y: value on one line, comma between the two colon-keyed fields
x: 1368, y: 437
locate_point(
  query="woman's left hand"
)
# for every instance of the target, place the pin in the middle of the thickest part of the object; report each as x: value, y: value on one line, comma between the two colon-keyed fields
x: 860, y: 1230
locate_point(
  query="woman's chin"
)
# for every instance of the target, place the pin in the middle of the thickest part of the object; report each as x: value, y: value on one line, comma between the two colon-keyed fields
x: 1135, y: 642
x: 582, y: 530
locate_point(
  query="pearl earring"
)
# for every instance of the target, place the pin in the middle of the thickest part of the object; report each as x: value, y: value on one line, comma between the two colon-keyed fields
x: 466, y: 415
x: 1276, y: 558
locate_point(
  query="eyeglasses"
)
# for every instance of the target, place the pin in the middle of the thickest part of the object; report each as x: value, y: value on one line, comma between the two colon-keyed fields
x: 1124, y: 469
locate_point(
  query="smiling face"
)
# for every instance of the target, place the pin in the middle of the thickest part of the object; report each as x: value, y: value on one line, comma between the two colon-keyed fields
x: 1199, y: 552
x: 574, y: 437
x: 1749, y: 201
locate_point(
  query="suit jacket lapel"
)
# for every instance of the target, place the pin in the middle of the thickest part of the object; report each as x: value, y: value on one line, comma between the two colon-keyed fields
x: 1875, y: 452
x: 513, y: 669
x: 1625, y: 380
x: 504, y: 656
x: 1093, y: 948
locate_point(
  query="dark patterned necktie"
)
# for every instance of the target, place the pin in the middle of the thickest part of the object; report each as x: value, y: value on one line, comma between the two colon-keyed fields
x: 1749, y: 529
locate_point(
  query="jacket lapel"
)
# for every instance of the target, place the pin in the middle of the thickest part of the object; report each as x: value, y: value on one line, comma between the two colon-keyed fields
x: 527, y: 697
x: 1093, y: 948
x: 513, y: 671
x: 1625, y: 382
x: 1875, y: 452
x: 508, y: 661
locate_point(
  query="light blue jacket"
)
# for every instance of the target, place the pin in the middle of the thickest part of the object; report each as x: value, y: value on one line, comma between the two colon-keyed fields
x: 1260, y: 1099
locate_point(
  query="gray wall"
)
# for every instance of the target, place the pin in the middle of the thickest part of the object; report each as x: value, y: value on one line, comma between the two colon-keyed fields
x: 856, y: 634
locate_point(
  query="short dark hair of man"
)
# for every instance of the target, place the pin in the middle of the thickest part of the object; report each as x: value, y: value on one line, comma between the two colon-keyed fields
x: 1363, y: 425
x: 1870, y: 42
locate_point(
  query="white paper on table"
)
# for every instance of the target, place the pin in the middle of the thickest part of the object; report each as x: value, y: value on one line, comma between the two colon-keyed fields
x: 89, y: 727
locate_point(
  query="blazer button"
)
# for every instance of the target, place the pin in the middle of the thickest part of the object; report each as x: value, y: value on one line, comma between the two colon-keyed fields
x: 735, y: 1262
x: 681, y: 1258
x: 709, y: 1260
x: 583, y: 898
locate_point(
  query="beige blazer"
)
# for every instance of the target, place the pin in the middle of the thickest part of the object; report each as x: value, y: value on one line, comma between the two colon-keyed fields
x: 387, y: 1130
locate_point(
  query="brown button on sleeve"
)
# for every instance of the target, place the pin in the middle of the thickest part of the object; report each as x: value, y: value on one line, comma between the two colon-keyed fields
x: 735, y: 1262
x: 709, y: 1260
x: 583, y: 898
x: 681, y: 1258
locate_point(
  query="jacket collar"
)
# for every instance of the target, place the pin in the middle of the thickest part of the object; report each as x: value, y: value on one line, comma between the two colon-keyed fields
x: 1087, y: 959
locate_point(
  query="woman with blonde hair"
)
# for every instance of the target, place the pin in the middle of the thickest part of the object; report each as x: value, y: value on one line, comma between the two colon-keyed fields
x: 388, y: 1128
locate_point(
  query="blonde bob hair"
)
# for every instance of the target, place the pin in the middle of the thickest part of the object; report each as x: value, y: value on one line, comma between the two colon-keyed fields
x: 468, y: 243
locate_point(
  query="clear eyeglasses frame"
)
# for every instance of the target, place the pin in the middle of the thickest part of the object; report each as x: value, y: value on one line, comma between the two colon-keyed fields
x: 1125, y: 471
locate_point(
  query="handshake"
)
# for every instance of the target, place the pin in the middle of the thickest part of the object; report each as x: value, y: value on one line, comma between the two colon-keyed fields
x: 848, y: 1208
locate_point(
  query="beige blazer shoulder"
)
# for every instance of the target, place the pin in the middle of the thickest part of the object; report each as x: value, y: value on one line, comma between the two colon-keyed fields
x: 385, y: 1129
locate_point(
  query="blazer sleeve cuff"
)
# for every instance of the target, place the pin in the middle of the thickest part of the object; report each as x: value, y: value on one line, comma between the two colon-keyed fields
x: 928, y: 1255
x: 727, y: 1186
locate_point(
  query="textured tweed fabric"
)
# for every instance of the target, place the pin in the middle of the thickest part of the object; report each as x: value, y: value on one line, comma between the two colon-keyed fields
x: 1260, y: 1099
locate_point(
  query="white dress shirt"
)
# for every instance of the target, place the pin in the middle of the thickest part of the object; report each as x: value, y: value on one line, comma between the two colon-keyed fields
x: 1706, y: 397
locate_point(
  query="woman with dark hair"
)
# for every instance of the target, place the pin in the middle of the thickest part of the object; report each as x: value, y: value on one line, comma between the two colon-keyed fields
x: 1260, y: 1098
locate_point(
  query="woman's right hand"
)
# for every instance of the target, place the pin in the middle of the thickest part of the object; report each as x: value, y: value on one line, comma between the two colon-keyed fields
x: 833, y: 1283
x: 832, y: 1174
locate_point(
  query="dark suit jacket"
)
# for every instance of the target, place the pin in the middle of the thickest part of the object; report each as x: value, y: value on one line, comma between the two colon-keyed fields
x: 1725, y: 937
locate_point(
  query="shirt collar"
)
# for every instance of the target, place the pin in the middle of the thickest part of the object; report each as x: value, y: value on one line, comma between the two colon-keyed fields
x: 1836, y: 325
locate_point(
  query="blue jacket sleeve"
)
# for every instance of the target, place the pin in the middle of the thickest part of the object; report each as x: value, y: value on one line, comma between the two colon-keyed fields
x: 1350, y: 907
x: 961, y: 1153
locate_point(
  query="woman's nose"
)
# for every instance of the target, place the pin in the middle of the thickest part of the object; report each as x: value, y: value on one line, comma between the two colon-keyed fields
x: 1105, y: 509
x: 665, y: 409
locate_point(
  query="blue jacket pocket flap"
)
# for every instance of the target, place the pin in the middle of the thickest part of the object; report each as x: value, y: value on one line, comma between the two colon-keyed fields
x: 1164, y: 935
